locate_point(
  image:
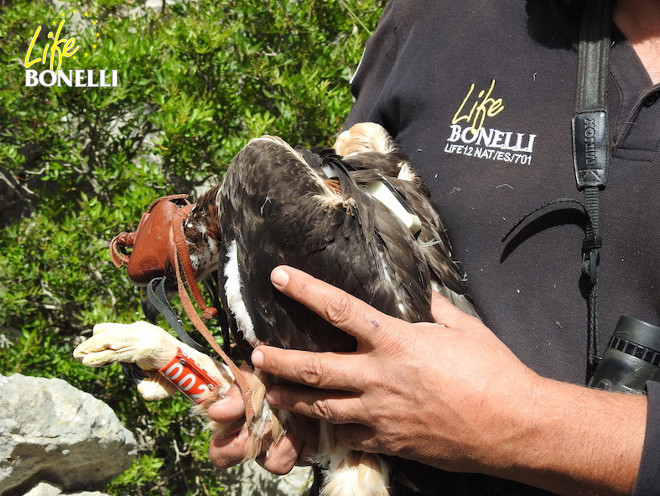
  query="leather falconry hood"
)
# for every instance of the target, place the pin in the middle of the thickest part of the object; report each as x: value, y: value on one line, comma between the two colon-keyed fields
x: 151, y: 242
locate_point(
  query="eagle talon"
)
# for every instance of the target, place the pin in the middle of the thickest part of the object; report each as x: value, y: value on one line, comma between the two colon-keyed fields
x: 334, y: 185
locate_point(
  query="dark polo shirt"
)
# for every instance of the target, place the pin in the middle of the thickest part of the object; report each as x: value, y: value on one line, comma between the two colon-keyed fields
x: 480, y: 94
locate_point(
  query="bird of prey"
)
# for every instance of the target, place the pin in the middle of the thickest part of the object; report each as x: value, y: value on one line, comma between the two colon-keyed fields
x: 357, y: 216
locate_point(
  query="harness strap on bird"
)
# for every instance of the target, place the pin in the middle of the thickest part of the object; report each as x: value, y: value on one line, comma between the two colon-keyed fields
x: 158, y: 298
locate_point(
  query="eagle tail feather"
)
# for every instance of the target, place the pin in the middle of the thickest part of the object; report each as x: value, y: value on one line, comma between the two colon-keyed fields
x: 348, y: 472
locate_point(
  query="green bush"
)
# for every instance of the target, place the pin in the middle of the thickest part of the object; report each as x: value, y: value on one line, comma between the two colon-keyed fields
x: 197, y: 79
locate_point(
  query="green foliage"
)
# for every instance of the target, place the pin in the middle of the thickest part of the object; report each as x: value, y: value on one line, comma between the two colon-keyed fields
x: 79, y: 165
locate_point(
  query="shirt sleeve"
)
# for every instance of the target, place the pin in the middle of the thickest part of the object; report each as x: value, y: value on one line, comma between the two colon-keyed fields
x: 370, y: 79
x: 648, y: 479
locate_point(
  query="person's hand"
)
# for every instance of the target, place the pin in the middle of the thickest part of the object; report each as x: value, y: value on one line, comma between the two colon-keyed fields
x: 452, y: 395
x: 415, y: 390
x: 278, y: 458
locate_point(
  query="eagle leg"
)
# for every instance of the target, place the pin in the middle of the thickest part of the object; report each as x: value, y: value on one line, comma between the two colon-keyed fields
x: 333, y: 185
x: 265, y: 420
x: 150, y: 348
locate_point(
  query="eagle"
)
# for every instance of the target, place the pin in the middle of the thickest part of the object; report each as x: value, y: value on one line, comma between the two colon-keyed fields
x: 356, y: 215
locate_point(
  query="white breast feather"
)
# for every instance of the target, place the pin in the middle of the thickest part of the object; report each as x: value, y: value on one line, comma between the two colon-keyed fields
x: 235, y: 298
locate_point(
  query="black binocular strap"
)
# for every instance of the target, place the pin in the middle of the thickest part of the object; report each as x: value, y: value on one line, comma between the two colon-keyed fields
x: 591, y: 152
x: 591, y: 148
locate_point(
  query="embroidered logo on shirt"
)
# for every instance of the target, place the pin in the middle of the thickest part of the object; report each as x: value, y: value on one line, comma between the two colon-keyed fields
x: 468, y: 135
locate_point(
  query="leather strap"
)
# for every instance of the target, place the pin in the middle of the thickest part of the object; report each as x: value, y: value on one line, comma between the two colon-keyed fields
x: 189, y: 308
x: 183, y: 256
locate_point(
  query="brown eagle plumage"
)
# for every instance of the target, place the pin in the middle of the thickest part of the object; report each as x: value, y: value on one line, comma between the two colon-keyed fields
x: 312, y: 210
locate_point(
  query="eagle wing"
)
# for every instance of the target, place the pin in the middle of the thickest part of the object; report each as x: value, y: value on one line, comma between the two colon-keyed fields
x: 432, y: 238
x: 278, y: 207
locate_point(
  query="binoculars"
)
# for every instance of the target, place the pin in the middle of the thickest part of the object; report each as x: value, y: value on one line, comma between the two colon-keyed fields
x: 631, y: 358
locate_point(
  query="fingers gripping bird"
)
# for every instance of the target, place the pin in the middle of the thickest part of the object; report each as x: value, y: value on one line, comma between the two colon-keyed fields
x: 357, y: 216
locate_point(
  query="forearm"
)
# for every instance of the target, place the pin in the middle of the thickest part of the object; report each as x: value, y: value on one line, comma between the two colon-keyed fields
x: 575, y: 440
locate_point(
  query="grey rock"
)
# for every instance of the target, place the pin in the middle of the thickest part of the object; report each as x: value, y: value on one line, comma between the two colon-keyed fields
x: 45, y: 489
x: 52, y: 432
x: 252, y: 479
